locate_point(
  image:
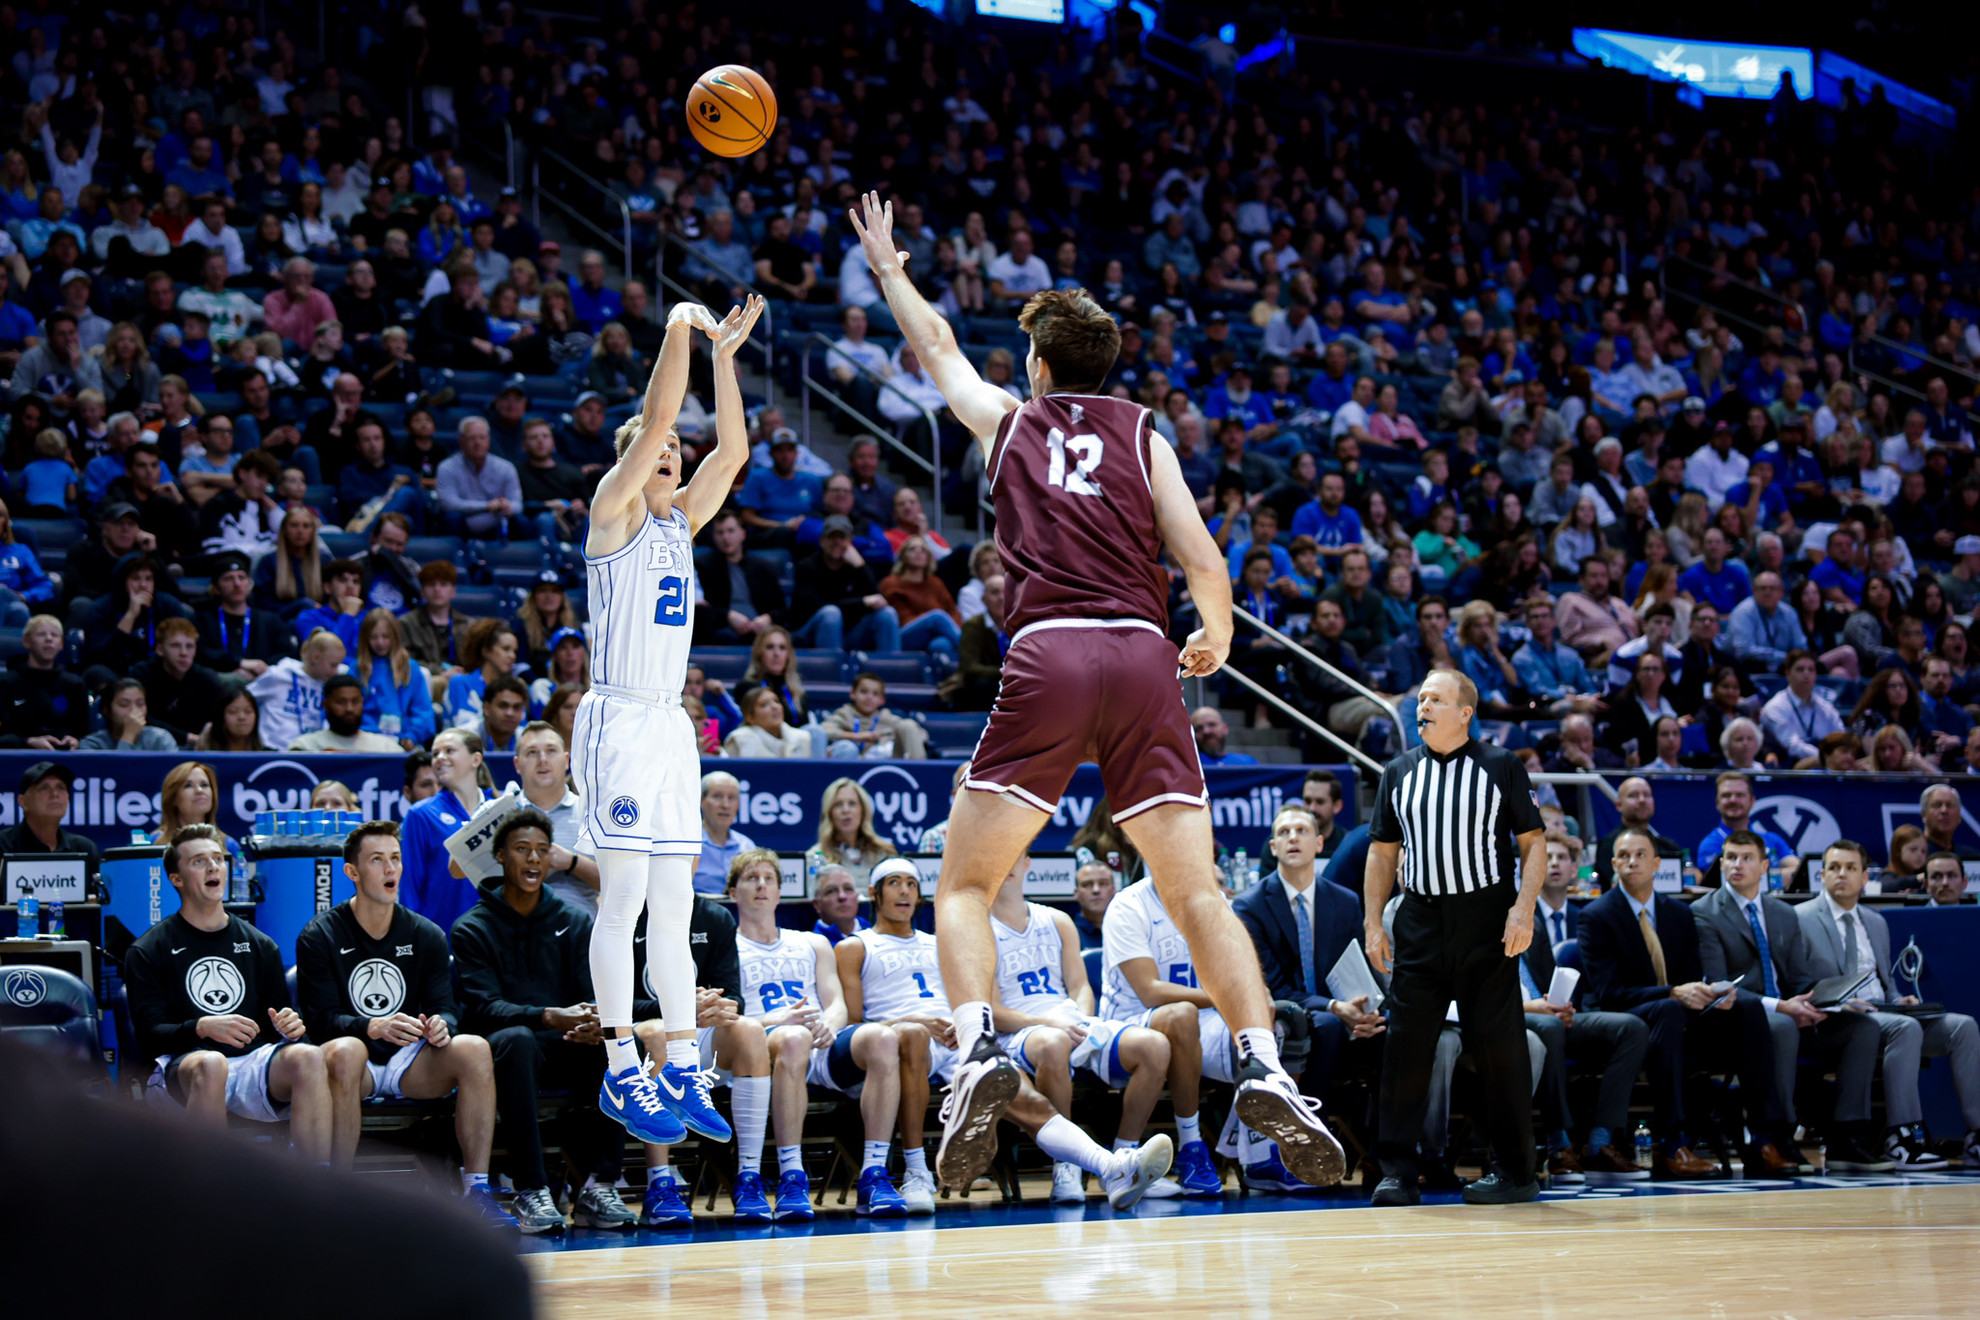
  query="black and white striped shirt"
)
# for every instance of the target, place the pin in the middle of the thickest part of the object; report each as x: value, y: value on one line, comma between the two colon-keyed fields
x: 1457, y: 817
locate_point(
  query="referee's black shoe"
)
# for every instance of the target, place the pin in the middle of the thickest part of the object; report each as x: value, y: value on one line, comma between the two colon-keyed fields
x: 1497, y: 1189
x: 1396, y: 1191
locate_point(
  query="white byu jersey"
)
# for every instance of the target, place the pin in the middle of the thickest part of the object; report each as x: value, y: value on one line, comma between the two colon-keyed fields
x: 1028, y: 965
x: 642, y: 608
x: 775, y: 976
x: 1138, y: 926
x: 900, y: 975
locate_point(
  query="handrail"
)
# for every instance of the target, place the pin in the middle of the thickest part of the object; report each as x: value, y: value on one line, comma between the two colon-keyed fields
x: 1338, y: 675
x: 764, y: 341
x: 537, y: 197
x: 931, y: 465
x: 1292, y: 712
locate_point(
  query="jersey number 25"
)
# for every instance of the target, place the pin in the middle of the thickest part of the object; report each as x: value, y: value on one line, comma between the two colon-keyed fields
x: 670, y: 610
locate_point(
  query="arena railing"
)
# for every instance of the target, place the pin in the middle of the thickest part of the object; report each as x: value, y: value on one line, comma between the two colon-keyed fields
x: 1332, y: 671
x: 827, y: 390
x: 586, y: 183
x: 1300, y: 717
x: 762, y: 342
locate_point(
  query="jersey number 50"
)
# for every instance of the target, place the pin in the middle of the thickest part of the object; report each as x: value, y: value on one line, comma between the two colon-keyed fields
x: 1088, y: 448
x: 671, y: 610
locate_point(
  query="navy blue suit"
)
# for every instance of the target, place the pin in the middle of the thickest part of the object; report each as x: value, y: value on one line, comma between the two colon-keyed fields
x: 1337, y: 920
x: 1617, y: 975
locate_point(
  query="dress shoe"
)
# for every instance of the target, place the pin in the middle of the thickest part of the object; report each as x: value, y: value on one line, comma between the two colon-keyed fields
x: 1763, y: 1159
x: 1681, y: 1163
x: 1849, y: 1155
x: 1396, y: 1191
x: 1564, y: 1167
x: 1611, y: 1165
x: 1495, y: 1188
x: 1439, y: 1175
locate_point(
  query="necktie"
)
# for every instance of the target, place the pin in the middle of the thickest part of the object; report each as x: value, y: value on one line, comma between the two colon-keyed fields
x: 1526, y: 981
x: 1654, y: 945
x: 1303, y: 924
x: 1849, y: 943
x: 1560, y: 927
x: 1768, y: 983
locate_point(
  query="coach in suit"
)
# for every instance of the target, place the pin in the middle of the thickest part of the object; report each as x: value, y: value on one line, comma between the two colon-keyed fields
x: 1300, y: 924
x: 1844, y: 936
x: 1620, y: 1040
x: 1639, y: 954
x: 1755, y: 939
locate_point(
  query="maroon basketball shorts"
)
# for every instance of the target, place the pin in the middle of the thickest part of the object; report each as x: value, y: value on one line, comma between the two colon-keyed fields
x: 1100, y: 690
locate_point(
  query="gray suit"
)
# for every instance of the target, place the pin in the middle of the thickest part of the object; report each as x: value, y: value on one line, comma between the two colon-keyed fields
x: 1728, y: 950
x: 1905, y: 1039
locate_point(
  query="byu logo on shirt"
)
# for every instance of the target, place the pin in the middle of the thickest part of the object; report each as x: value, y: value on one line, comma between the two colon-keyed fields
x: 377, y: 988
x: 667, y: 557
x: 215, y: 985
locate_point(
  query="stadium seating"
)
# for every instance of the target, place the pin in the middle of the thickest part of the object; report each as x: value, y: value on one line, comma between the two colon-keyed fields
x: 50, y: 1010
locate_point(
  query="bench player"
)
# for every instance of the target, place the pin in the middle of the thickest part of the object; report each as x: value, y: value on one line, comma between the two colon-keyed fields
x: 790, y: 983
x: 211, y: 1007
x: 1045, y: 1020
x: 378, y: 983
x: 633, y: 747
x: 1085, y: 504
x: 891, y: 974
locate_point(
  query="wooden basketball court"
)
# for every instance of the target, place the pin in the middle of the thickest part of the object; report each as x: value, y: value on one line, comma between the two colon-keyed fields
x: 1889, y: 1250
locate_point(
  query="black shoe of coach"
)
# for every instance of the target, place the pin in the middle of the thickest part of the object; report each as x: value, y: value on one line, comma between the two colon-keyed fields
x: 1396, y: 1191
x: 1496, y: 1189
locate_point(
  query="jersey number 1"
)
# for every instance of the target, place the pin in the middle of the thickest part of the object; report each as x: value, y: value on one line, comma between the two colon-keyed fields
x: 670, y: 610
x: 1087, y: 447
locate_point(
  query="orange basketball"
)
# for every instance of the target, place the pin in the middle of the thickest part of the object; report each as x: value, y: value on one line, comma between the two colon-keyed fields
x: 731, y: 110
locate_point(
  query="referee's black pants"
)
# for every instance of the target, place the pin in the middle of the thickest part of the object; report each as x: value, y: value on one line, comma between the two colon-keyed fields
x: 1452, y: 948
x: 529, y: 1061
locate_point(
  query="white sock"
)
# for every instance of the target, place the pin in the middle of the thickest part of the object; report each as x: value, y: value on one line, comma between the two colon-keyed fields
x: 621, y: 1053
x: 751, y: 1106
x: 790, y: 1159
x: 972, y: 1020
x: 1253, y: 1043
x: 1188, y: 1129
x: 917, y: 1159
x: 659, y: 1171
x: 685, y: 1054
x: 669, y: 895
x: 1064, y: 1140
x: 621, y: 895
x: 470, y: 1181
x: 1122, y: 1143
x: 876, y: 1155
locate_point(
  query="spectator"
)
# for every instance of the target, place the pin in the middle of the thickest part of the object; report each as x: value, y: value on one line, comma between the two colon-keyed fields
x: 836, y: 901
x: 42, y: 705
x: 979, y: 654
x: 836, y: 600
x: 121, y: 628
x: 545, y: 612
x: 1659, y: 625
x: 1760, y: 631
x: 1367, y: 618
x: 784, y: 270
x: 1799, y: 716
x: 775, y: 501
x: 398, y: 701
x: 741, y: 594
x: 343, y: 722
x: 343, y: 603
x: 595, y: 304
x: 873, y: 494
x: 125, y: 727
x: 295, y: 310
x: 182, y: 695
x: 920, y: 600
x: 236, y: 637
x: 289, y: 579
x: 488, y: 651
x: 1340, y: 707
x: 1592, y: 621
x: 1940, y: 811
x: 1332, y: 524
x: 763, y: 732
x: 984, y: 565
x: 290, y: 692
x: 1733, y: 793
x: 721, y: 842
x: 845, y: 831
x: 1550, y: 671
x: 1212, y: 738
x: 1636, y: 803
x: 504, y: 707
x: 568, y: 665
x: 865, y: 729
x: 521, y: 963
x: 480, y: 494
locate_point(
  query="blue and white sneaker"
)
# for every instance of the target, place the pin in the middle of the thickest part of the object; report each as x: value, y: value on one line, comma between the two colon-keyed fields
x: 877, y: 1197
x: 1197, y: 1171
x: 752, y: 1207
x: 794, y: 1198
x: 1271, y: 1175
x: 481, y: 1203
x: 685, y: 1092
x: 630, y: 1097
x: 664, y: 1206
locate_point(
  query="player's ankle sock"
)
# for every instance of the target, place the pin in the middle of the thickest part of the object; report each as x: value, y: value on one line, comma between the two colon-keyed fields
x: 751, y: 1106
x: 917, y: 1158
x: 1259, y: 1043
x: 1598, y: 1138
x: 972, y: 1020
x: 621, y: 1053
x: 790, y: 1159
x: 1122, y: 1143
x: 687, y: 1054
x: 659, y: 1171
x: 470, y: 1181
x: 876, y: 1156
x: 1188, y: 1128
x: 1063, y: 1139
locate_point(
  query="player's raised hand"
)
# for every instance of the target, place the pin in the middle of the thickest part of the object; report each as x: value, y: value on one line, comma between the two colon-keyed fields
x: 693, y: 314
x: 873, y: 221
x: 1203, y: 655
x: 734, y: 330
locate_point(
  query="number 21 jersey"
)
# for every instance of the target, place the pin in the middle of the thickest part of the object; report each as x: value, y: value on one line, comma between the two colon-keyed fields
x: 642, y: 604
x: 1070, y: 478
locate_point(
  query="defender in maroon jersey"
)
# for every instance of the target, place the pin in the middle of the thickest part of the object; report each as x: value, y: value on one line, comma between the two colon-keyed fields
x: 1085, y: 503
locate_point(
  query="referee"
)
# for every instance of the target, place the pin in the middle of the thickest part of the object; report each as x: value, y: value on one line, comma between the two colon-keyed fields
x: 1460, y: 816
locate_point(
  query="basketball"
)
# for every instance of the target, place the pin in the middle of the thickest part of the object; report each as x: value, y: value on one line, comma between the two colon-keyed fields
x: 731, y: 110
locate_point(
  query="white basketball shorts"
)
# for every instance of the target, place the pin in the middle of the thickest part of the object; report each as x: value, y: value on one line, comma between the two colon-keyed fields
x: 639, y: 769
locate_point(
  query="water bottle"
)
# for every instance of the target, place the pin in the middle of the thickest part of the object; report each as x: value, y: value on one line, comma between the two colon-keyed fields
x: 1239, y: 871
x: 27, y: 917
x: 1643, y: 1145
x: 1584, y: 878
x: 1773, y: 877
x: 1821, y: 1156
x: 58, y: 919
x: 811, y: 863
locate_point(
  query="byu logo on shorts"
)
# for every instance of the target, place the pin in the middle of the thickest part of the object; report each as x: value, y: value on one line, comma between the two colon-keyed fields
x: 215, y: 985
x: 377, y: 988
x: 625, y: 813
x: 24, y: 987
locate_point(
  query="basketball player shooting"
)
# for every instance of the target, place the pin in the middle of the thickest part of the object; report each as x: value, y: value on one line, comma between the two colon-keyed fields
x: 1085, y: 502
x: 634, y: 751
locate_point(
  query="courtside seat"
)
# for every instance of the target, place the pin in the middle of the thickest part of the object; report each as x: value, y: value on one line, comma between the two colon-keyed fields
x: 49, y: 1010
